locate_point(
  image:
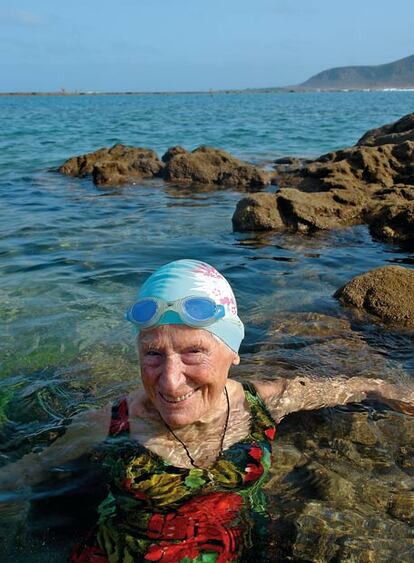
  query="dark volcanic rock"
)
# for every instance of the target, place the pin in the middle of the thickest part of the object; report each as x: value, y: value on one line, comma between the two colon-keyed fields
x: 369, y: 183
x: 115, y: 166
x: 207, y: 165
x: 386, y: 292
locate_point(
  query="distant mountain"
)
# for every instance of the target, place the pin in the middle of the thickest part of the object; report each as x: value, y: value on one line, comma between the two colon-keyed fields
x: 398, y: 74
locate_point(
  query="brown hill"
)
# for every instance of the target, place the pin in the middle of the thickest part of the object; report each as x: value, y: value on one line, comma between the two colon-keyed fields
x: 398, y: 74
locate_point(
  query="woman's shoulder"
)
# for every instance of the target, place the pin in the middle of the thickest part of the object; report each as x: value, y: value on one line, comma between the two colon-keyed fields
x: 266, y: 390
x: 139, y: 405
x: 269, y: 390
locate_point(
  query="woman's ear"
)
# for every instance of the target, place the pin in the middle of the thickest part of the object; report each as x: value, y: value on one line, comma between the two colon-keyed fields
x: 236, y: 360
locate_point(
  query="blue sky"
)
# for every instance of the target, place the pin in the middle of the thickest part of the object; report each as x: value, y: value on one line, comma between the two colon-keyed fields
x: 151, y: 45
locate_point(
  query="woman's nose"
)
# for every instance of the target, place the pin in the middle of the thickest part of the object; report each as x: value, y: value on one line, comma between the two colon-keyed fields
x: 172, y: 373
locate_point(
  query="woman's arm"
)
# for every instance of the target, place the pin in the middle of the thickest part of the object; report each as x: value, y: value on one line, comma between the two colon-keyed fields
x: 303, y: 393
x: 86, y: 431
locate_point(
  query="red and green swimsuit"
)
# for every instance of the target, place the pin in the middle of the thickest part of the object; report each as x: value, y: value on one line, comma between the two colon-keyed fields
x: 155, y: 511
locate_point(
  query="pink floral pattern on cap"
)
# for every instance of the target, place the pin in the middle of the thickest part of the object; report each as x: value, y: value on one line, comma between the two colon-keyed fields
x: 216, y: 286
x: 208, y: 271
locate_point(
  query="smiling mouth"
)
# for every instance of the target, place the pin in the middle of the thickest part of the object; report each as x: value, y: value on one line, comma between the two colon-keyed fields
x: 179, y: 399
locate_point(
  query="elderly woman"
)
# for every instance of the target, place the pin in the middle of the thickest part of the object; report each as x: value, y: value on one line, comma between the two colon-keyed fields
x: 186, y: 455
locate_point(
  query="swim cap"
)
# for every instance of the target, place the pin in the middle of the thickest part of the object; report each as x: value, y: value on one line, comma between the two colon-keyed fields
x: 184, y: 278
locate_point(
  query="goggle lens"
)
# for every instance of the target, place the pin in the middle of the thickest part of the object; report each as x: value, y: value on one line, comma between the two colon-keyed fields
x: 199, y: 309
x: 143, y: 311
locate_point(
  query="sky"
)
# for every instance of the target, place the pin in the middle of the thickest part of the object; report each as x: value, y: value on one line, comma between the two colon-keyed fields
x: 184, y: 45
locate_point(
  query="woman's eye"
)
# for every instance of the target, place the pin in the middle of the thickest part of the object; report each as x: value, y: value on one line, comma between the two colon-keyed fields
x: 193, y: 355
x: 152, y: 355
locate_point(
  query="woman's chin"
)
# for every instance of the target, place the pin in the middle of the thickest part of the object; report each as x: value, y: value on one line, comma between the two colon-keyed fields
x: 180, y: 413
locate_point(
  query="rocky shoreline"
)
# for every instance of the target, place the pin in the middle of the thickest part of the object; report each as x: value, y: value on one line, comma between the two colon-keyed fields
x: 370, y: 183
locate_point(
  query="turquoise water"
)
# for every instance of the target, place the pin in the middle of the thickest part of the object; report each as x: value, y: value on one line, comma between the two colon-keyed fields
x: 72, y: 255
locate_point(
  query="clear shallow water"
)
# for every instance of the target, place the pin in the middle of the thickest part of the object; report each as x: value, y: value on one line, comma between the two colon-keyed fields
x: 71, y: 256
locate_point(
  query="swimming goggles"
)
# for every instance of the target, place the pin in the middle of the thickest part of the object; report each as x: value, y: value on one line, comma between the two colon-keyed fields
x: 193, y: 310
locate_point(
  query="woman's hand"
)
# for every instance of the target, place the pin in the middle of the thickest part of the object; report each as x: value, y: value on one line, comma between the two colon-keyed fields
x: 399, y: 397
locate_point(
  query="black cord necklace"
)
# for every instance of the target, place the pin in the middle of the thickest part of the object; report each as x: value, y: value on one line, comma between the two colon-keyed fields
x: 221, y: 441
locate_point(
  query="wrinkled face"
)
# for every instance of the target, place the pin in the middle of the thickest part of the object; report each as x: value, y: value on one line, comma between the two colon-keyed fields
x: 184, y: 371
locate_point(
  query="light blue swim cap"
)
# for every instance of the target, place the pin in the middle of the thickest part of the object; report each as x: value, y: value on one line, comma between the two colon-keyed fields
x: 184, y: 278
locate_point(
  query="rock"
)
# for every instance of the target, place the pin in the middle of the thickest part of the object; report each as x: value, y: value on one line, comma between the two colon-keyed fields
x: 363, y: 431
x: 394, y: 223
x: 386, y: 292
x: 341, y: 506
x: 297, y: 211
x: 401, y: 130
x: 286, y: 163
x: 402, y: 506
x: 110, y: 173
x: 371, y: 183
x: 307, y: 213
x: 207, y: 165
x: 323, y: 345
x: 332, y: 486
x: 171, y: 152
x: 375, y: 493
x: 288, y: 160
x: 257, y: 212
x: 82, y: 165
x: 115, y: 166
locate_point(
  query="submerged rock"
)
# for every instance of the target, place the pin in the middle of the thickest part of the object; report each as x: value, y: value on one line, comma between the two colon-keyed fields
x: 386, y: 292
x: 371, y: 183
x: 314, y: 343
x: 336, y: 478
x: 402, y: 506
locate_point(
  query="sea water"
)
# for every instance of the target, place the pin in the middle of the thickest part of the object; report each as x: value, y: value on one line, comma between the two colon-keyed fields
x: 73, y: 255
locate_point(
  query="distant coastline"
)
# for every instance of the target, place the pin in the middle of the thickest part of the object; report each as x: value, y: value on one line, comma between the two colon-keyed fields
x: 270, y: 90
x: 391, y: 77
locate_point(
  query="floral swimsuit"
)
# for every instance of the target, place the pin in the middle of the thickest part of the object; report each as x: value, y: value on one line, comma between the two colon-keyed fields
x: 155, y: 511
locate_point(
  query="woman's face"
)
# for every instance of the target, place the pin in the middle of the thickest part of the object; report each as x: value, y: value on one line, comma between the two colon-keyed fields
x: 184, y: 371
